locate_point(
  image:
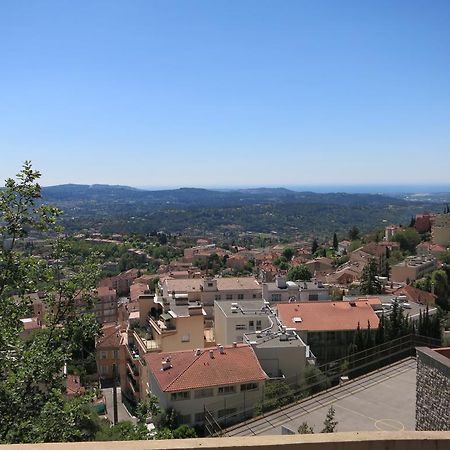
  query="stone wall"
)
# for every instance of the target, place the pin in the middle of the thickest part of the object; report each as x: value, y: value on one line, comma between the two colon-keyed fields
x: 432, y: 391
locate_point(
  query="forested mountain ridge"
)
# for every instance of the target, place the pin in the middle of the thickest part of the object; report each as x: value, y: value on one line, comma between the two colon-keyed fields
x: 193, y: 210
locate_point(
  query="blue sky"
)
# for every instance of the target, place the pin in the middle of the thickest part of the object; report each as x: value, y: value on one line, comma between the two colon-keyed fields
x: 223, y: 93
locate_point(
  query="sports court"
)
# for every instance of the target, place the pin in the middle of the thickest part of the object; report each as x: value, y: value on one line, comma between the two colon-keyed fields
x: 383, y: 400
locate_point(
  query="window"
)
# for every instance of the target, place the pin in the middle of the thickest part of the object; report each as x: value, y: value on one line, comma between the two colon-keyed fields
x: 210, y: 285
x: 104, y: 370
x: 276, y: 297
x: 254, y: 295
x: 240, y: 296
x: 185, y: 338
x: 229, y: 296
x: 251, y: 324
x: 258, y: 325
x: 226, y: 390
x: 202, y: 393
x: 184, y: 395
x: 249, y: 387
x: 218, y: 296
x: 103, y: 355
x: 241, y: 327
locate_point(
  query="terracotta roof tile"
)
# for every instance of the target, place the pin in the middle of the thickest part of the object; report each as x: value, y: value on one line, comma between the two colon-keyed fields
x: 189, y: 371
x: 327, y: 316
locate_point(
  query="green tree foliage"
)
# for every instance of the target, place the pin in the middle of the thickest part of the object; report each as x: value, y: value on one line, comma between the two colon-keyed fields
x: 408, y: 240
x: 32, y: 405
x: 122, y: 431
x: 314, y: 247
x: 444, y: 257
x: 353, y: 233
x: 300, y: 272
x: 277, y: 393
x: 335, y: 242
x: 369, y: 284
x: 184, y: 432
x: 439, y: 279
x: 304, y: 428
x: 288, y: 253
x: 330, y: 423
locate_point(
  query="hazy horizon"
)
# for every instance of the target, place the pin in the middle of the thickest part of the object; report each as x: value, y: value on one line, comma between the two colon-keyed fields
x: 351, y: 189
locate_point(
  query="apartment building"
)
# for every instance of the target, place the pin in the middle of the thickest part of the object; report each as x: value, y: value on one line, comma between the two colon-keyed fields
x: 440, y: 229
x: 208, y: 290
x: 328, y: 327
x: 233, y: 319
x: 224, y: 380
x: 412, y: 268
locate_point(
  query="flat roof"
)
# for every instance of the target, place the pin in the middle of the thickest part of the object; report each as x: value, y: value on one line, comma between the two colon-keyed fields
x: 245, y: 307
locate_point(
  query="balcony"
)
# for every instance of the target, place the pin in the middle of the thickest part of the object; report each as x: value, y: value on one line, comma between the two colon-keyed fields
x: 132, y: 369
x: 161, y: 326
x: 405, y: 440
x: 134, y: 385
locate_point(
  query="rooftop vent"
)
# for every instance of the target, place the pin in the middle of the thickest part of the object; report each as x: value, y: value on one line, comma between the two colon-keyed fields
x: 221, y: 349
x: 211, y: 354
x: 353, y: 304
x: 198, y: 352
x: 297, y: 320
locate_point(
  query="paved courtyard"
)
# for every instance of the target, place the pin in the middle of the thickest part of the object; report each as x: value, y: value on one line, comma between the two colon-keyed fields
x: 381, y: 401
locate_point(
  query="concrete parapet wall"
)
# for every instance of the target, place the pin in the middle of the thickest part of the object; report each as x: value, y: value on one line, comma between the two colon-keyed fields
x: 411, y: 440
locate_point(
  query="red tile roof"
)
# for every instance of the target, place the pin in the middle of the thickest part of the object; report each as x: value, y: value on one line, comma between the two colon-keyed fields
x: 327, y: 316
x: 111, y: 337
x: 189, y: 371
x: 73, y: 386
x: 416, y: 295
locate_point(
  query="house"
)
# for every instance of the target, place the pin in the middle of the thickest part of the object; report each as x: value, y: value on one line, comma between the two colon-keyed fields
x: 423, y: 222
x: 281, y: 290
x: 109, y: 352
x: 415, y: 295
x: 321, y: 264
x: 105, y: 308
x: 429, y: 249
x: 222, y: 380
x: 121, y: 283
x: 328, y: 327
x: 343, y: 246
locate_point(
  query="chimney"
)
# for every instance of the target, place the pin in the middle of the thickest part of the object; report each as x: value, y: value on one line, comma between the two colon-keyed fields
x: 234, y: 344
x: 221, y: 349
x: 198, y: 352
x: 165, y: 364
x: 211, y: 354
